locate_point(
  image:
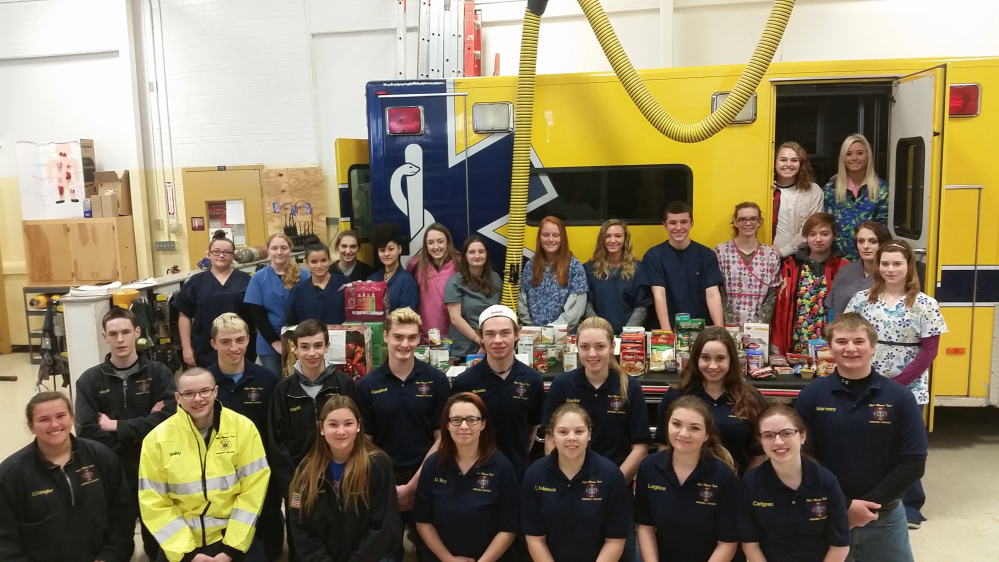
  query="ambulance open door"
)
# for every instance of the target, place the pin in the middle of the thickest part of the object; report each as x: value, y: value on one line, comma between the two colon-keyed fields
x: 353, y: 180
x: 914, y: 170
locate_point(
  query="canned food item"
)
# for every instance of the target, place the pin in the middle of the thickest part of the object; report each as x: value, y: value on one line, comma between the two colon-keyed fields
x: 434, y: 335
x: 754, y: 359
x: 540, y: 362
x: 570, y: 361
x: 422, y: 353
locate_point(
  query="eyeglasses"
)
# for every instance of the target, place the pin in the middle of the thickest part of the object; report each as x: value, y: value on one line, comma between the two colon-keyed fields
x: 784, y: 434
x: 204, y: 393
x: 747, y: 220
x: 472, y: 421
x: 218, y: 253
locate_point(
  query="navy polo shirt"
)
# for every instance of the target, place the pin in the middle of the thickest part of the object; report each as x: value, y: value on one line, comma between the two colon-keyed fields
x: 793, y: 524
x: 307, y: 301
x: 514, y: 405
x: 468, y: 510
x: 685, y: 274
x: 575, y: 516
x: 861, y: 439
x: 689, y: 518
x: 617, y: 425
x: 402, y: 415
x: 250, y: 396
x: 615, y: 298
x: 737, y: 435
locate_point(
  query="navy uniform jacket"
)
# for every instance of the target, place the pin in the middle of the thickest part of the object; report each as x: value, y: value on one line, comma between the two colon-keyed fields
x: 202, y: 299
x: 402, y: 415
x: 861, y: 439
x: 306, y: 301
x: 575, y: 516
x: 689, y: 518
x: 685, y: 274
x: 514, y: 405
x: 130, y: 401
x: 332, y: 531
x: 793, y: 524
x: 469, y: 510
x: 78, y: 513
x: 617, y: 425
x: 251, y: 396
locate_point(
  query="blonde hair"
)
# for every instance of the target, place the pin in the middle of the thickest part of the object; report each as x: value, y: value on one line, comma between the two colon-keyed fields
x: 401, y: 316
x: 871, y: 179
x: 601, y: 268
x: 598, y: 323
x: 229, y: 322
x: 291, y: 270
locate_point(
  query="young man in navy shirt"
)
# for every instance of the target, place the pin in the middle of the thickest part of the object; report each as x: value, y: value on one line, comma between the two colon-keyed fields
x: 868, y: 431
x: 245, y: 388
x: 401, y: 403
x: 512, y: 391
x: 682, y: 275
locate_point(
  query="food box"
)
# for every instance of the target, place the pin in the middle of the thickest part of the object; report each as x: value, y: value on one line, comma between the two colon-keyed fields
x: 757, y: 336
x: 662, y: 349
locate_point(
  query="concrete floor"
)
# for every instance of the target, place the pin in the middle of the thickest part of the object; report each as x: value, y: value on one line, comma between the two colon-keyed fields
x: 961, y: 481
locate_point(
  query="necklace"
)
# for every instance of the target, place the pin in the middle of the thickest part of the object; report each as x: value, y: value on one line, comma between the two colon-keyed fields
x: 785, y: 186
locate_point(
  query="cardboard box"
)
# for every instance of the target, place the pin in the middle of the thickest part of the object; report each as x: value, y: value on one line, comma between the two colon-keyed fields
x: 757, y: 336
x: 109, y: 205
x: 110, y: 183
x: 96, y: 210
x: 89, y: 163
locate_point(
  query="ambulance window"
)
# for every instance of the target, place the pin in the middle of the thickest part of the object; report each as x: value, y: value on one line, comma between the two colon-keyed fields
x: 359, y: 205
x: 589, y: 196
x: 907, y: 210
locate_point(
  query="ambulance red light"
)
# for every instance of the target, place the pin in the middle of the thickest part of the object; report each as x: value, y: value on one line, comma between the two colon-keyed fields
x: 965, y: 100
x: 405, y: 120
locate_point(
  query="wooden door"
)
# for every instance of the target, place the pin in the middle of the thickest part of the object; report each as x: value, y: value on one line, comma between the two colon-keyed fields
x: 49, y: 255
x: 209, y: 186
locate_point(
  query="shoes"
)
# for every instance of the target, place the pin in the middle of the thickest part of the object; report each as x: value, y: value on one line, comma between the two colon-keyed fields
x: 914, y: 524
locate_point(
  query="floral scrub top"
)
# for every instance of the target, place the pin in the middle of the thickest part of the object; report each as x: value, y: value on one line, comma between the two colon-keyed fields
x: 747, y: 284
x: 899, y: 331
x: 547, y: 300
x: 810, y: 316
x: 855, y: 210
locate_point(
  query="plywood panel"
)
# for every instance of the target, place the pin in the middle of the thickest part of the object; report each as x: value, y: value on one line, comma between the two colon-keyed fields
x: 294, y: 186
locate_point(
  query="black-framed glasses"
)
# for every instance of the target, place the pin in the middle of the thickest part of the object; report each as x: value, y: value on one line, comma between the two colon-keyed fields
x: 784, y: 434
x: 472, y: 421
x: 218, y: 253
x: 203, y: 393
x: 747, y: 220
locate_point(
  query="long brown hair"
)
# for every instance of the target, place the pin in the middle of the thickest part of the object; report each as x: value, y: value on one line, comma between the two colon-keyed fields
x: 448, y: 450
x: 713, y: 447
x: 745, y: 399
x: 478, y: 284
x: 291, y: 270
x: 354, y: 483
x: 598, y: 323
x: 911, y: 279
x: 562, y: 258
x: 423, y: 260
x: 805, y: 176
x: 601, y: 268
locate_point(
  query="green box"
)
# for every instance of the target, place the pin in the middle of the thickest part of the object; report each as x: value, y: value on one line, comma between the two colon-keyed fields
x: 379, y: 352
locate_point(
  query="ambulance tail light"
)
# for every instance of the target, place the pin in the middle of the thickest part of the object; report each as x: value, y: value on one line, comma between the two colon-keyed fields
x: 965, y: 100
x: 405, y: 120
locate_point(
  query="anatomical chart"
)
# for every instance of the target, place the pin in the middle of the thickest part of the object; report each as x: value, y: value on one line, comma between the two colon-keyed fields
x: 50, y: 176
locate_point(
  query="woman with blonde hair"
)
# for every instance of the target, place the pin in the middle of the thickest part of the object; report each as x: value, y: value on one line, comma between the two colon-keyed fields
x: 342, y: 500
x: 553, y: 290
x: 751, y: 270
x: 267, y: 298
x: 612, y: 279
x: 796, y: 197
x: 432, y: 267
x: 686, y: 495
x: 855, y: 194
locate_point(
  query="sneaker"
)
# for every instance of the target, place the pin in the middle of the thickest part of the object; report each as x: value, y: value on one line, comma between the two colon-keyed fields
x: 914, y: 524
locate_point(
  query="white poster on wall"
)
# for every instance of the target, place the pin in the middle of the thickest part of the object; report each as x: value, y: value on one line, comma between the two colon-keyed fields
x: 50, y: 176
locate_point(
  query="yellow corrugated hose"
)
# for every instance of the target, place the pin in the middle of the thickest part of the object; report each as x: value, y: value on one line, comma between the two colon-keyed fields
x: 640, y: 95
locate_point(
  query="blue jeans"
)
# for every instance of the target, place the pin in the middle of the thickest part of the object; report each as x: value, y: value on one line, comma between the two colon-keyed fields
x: 884, y: 540
x: 271, y: 362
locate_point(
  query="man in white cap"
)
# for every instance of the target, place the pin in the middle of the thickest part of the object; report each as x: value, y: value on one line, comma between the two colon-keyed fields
x: 512, y: 391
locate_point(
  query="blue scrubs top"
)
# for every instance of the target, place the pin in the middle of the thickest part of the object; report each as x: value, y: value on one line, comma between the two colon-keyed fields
x: 267, y: 290
x: 793, y: 524
x: 690, y: 518
x: 250, y: 396
x: 307, y: 301
x: 468, y: 510
x: 575, y: 516
x: 402, y: 415
x: 685, y: 274
x: 514, y: 402
x: 203, y: 299
x: 617, y: 425
x: 737, y: 435
x: 615, y: 298
x: 402, y: 289
x: 861, y: 439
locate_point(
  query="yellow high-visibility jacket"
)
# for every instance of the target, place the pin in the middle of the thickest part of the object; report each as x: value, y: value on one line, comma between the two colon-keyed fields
x: 191, y: 494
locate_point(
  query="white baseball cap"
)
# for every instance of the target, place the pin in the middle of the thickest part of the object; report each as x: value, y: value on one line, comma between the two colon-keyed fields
x: 497, y: 310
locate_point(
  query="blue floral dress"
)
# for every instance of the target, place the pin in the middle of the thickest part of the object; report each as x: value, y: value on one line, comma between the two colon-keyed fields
x: 899, y: 331
x: 865, y: 206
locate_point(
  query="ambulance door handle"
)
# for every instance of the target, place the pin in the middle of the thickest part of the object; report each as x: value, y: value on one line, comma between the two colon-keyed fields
x: 919, y: 251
